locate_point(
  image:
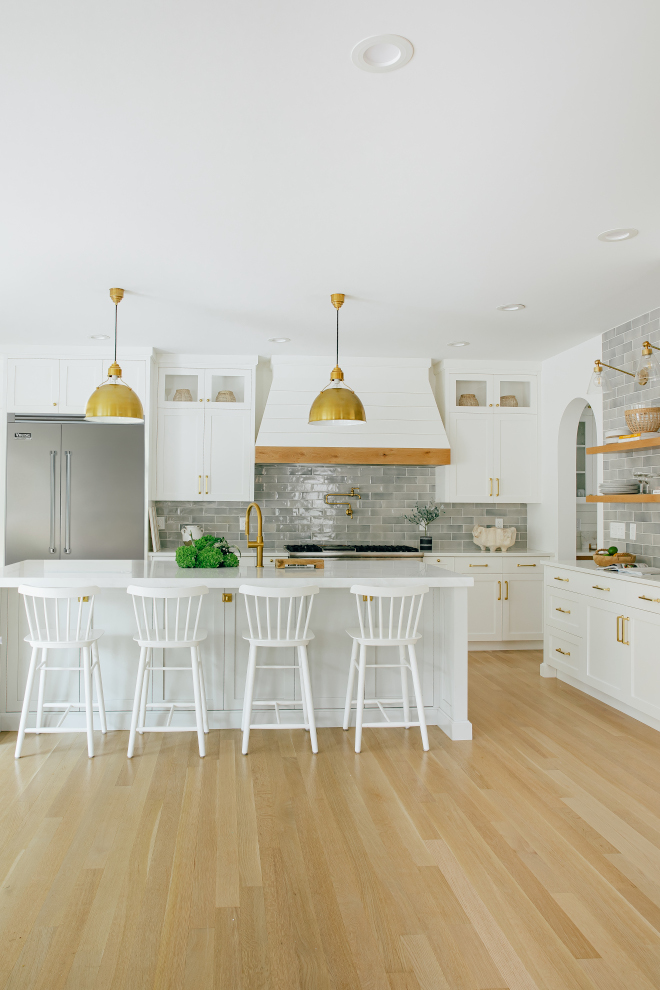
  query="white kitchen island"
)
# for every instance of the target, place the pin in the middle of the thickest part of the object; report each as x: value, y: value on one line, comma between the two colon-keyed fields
x: 442, y: 652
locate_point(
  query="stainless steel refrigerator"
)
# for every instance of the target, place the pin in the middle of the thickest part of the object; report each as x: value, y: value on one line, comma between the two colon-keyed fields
x: 75, y: 490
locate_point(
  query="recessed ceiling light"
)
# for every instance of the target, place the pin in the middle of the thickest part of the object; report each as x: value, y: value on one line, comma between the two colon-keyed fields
x: 511, y: 307
x: 279, y: 340
x: 100, y: 336
x: 459, y: 343
x: 618, y: 234
x: 382, y: 53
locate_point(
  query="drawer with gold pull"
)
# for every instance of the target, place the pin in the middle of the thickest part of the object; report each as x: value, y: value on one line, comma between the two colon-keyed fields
x: 564, y: 611
x: 562, y: 651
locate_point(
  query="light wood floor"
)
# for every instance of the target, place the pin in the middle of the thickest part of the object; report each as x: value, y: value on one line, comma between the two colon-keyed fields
x: 529, y: 857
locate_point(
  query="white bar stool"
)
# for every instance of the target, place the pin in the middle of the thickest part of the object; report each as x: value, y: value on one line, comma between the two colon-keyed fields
x: 167, y: 619
x: 62, y: 619
x: 388, y: 617
x: 273, y: 622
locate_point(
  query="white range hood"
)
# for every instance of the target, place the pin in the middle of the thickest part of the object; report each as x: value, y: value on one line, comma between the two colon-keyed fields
x: 403, y: 421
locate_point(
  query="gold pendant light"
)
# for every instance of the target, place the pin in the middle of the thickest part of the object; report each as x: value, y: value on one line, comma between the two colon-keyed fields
x: 337, y: 404
x: 113, y: 401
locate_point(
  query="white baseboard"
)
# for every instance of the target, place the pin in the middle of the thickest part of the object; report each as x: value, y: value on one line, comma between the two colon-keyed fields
x: 505, y: 644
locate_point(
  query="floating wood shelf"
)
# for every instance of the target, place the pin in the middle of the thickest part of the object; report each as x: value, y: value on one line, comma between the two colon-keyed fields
x: 623, y: 498
x: 614, y: 448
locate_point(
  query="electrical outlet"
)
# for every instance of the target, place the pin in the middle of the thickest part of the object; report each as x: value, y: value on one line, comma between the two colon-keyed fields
x: 633, y: 531
x: 161, y: 522
x: 499, y: 523
x: 617, y: 531
x: 241, y: 524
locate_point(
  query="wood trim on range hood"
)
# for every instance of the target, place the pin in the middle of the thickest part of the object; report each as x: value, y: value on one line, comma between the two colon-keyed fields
x: 352, y: 455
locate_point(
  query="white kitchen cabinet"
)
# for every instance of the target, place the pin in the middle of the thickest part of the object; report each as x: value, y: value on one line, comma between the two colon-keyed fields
x: 180, y: 454
x: 522, y: 606
x: 53, y: 385
x: 506, y: 602
x: 33, y: 385
x: 218, y: 463
x: 615, y: 651
x: 78, y: 379
x: 494, y: 446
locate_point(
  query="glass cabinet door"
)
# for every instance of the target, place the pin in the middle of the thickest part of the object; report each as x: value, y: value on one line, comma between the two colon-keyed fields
x: 515, y: 393
x: 470, y: 393
x: 180, y: 387
x: 227, y: 388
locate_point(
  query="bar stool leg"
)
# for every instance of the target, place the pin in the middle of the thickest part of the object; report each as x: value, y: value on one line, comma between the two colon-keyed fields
x: 202, y: 684
x: 40, y: 693
x: 144, y: 696
x: 351, y: 681
x: 197, y: 688
x: 419, y: 701
x: 96, y: 670
x: 307, y: 688
x: 404, y: 686
x: 360, y: 698
x: 247, y: 701
x: 303, y: 696
x: 26, y: 701
x: 137, y: 701
x: 89, y: 711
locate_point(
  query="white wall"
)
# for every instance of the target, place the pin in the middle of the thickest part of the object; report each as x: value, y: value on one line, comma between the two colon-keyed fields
x: 564, y: 382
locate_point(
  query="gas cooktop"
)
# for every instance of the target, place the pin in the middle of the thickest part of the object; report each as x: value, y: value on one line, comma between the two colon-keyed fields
x: 351, y: 551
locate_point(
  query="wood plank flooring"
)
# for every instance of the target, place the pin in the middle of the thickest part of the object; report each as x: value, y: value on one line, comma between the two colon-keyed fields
x: 527, y: 858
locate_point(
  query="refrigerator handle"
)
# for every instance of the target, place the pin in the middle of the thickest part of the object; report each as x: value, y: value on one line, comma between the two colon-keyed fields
x: 53, y: 482
x: 67, y: 510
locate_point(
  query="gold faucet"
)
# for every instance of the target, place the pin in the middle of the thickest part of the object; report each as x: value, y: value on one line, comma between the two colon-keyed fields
x: 259, y: 542
x: 352, y: 494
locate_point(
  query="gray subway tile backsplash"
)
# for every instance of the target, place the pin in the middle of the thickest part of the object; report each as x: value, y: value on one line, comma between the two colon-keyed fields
x: 292, y: 500
x: 622, y: 345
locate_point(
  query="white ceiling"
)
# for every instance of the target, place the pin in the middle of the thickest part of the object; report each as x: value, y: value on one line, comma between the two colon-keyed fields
x: 226, y: 163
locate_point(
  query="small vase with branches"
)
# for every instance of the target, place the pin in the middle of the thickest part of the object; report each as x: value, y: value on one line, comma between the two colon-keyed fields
x: 424, y: 515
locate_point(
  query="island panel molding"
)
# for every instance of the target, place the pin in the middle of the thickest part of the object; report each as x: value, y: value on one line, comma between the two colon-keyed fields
x: 352, y: 455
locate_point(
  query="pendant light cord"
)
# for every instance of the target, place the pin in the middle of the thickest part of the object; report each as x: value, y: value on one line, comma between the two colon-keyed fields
x: 116, y: 308
x: 337, y: 338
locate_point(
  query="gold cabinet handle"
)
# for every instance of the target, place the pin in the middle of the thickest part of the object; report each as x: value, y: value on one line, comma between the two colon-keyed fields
x: 618, y: 632
x: 199, y: 484
x: 207, y: 485
x: 525, y: 565
x: 491, y: 487
x: 564, y: 653
x: 478, y: 565
x: 562, y: 579
x: 645, y: 599
x: 498, y: 486
x: 499, y: 591
x: 566, y: 611
x: 506, y: 594
x: 598, y: 587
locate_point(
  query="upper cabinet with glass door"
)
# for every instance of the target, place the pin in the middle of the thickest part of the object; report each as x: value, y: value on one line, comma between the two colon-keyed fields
x: 205, y: 386
x: 482, y: 394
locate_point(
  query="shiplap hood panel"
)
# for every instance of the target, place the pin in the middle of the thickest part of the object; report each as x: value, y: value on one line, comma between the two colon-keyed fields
x: 402, y: 414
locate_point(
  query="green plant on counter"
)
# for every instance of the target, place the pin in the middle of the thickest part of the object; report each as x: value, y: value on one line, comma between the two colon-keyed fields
x: 208, y: 551
x: 423, y: 515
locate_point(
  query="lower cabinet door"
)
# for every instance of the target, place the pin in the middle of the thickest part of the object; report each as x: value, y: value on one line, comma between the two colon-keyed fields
x: 485, y: 607
x: 522, y: 607
x: 642, y: 631
x: 608, y: 665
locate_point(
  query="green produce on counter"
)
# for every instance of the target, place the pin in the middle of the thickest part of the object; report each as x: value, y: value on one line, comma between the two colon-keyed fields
x: 208, y: 551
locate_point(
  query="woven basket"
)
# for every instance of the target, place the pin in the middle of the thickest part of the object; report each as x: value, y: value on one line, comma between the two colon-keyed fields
x: 603, y: 559
x: 508, y: 400
x: 646, y: 420
x: 225, y: 396
x: 468, y: 399
x: 182, y: 395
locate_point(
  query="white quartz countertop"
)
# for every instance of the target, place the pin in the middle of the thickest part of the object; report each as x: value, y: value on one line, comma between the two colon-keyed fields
x: 121, y: 573
x: 588, y: 565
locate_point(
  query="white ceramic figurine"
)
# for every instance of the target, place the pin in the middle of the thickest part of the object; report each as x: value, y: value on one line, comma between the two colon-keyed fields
x: 494, y: 537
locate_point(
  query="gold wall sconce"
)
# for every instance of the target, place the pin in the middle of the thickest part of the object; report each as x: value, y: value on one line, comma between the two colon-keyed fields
x: 647, y: 369
x: 352, y: 494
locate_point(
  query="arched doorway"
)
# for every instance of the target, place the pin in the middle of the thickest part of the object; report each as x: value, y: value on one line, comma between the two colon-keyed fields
x: 566, y: 476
